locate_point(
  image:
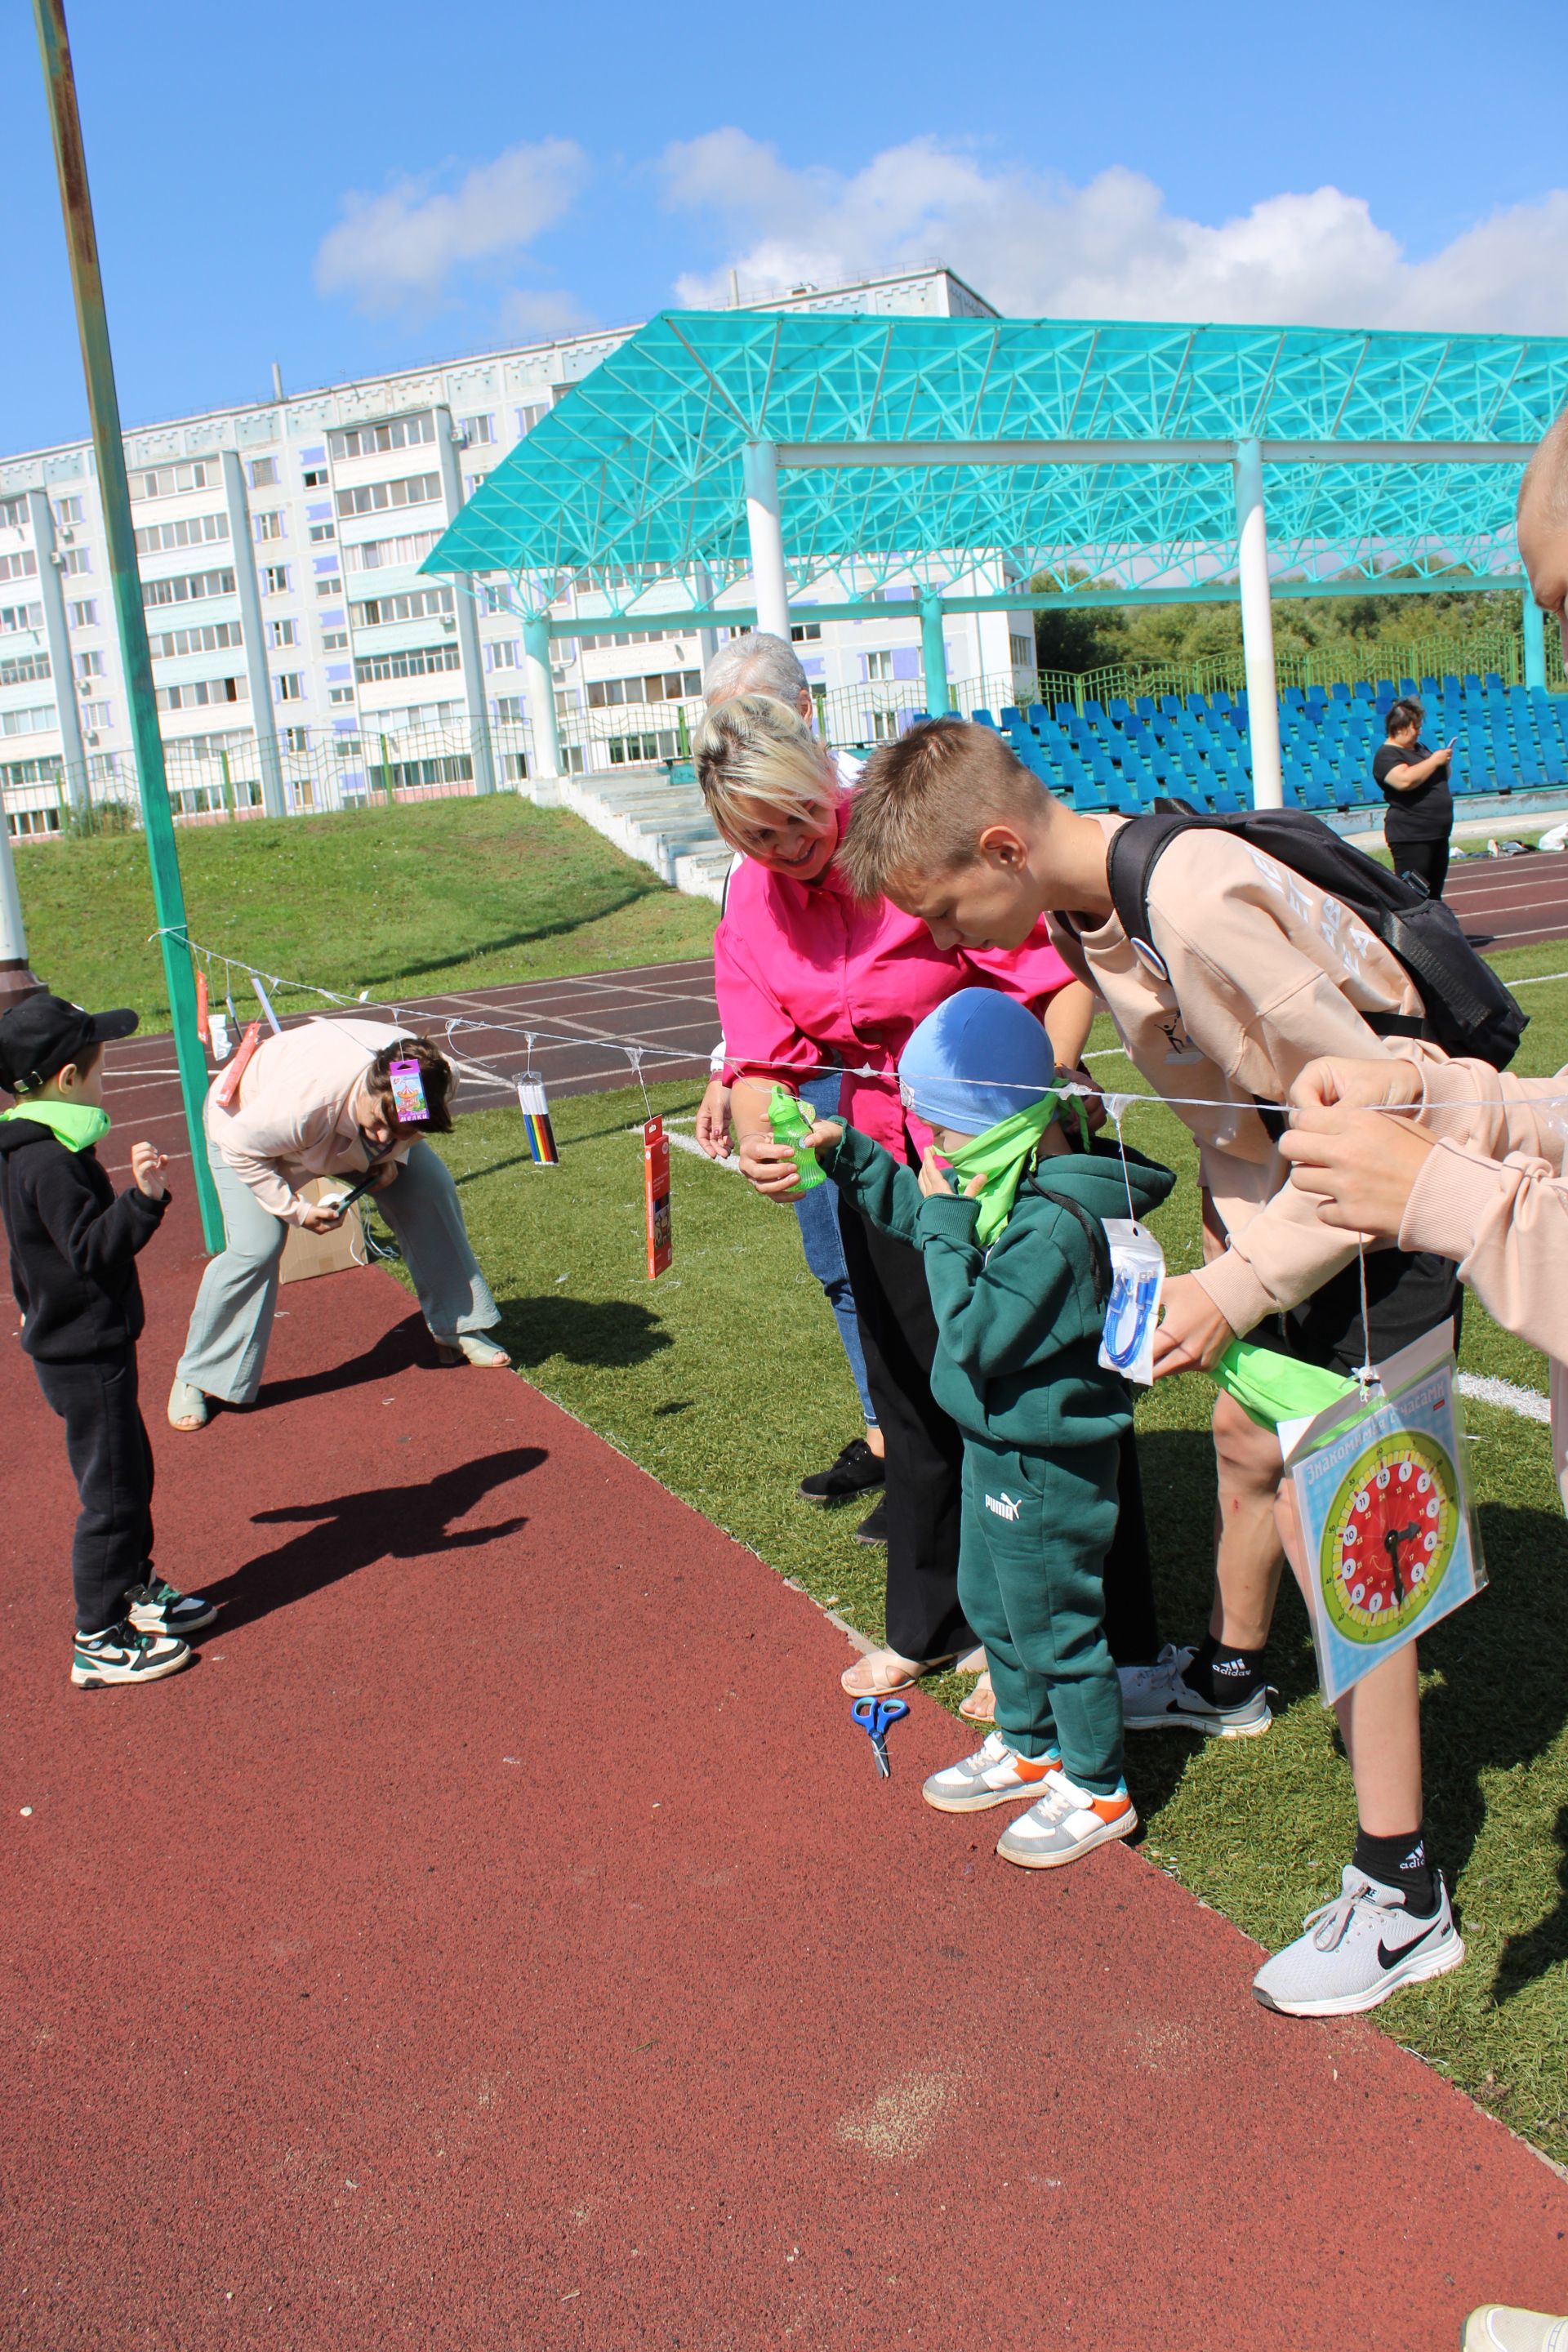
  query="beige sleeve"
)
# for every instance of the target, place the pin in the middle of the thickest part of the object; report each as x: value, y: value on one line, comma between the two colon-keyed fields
x: 262, y: 1143
x: 1505, y: 1224
x: 1494, y: 1112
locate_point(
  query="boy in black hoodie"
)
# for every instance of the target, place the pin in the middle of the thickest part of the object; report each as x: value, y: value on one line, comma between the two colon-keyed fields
x: 73, y: 1273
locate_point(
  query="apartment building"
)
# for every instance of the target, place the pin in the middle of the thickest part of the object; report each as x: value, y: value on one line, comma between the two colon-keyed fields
x: 298, y: 654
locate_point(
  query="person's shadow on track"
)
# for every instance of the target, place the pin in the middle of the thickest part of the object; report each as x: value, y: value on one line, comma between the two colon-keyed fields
x: 354, y: 1531
x: 407, y: 1347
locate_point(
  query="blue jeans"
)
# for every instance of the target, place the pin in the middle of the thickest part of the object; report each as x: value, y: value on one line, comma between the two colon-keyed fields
x: 818, y: 1214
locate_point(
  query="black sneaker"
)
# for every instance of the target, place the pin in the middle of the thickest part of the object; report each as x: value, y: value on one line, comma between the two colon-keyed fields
x: 857, y: 1471
x: 121, y: 1654
x: 159, y: 1609
x: 873, y: 1530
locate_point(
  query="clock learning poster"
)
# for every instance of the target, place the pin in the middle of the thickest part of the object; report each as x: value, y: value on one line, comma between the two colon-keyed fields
x: 1391, y: 1540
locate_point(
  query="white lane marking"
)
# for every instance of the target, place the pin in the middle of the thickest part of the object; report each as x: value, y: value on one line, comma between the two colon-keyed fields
x: 1528, y: 1403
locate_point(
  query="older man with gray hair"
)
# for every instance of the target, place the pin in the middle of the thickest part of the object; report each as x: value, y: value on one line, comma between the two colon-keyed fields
x: 757, y: 663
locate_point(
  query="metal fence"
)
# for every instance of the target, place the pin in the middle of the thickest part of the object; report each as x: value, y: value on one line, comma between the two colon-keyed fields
x: 217, y: 780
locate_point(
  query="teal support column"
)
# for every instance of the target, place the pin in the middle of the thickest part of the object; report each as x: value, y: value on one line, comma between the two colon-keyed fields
x: 465, y: 608
x: 1534, y: 642
x: 933, y: 655
x: 51, y: 595
x: 263, y: 720
x: 136, y: 660
x: 545, y: 727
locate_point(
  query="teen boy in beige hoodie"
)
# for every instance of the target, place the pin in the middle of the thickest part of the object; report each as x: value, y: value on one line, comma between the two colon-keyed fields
x: 1250, y: 976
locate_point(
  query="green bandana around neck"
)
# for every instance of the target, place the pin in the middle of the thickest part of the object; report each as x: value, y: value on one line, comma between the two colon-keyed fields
x: 78, y: 1126
x: 1002, y: 1155
x: 1273, y: 1387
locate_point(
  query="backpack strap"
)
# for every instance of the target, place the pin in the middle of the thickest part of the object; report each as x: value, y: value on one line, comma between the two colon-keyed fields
x: 1136, y: 848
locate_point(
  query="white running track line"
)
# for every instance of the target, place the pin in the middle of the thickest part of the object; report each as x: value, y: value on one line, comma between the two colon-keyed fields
x: 1528, y: 1403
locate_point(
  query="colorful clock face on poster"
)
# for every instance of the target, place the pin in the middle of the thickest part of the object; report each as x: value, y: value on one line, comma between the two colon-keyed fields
x: 1389, y: 1537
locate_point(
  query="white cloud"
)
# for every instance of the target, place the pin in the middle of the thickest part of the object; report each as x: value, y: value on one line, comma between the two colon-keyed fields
x: 405, y: 249
x: 1035, y: 245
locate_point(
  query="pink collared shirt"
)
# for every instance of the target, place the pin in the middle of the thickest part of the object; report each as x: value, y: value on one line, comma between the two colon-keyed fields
x: 806, y: 973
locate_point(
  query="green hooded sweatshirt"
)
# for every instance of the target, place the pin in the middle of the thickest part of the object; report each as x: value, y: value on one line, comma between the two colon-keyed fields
x: 1019, y: 1324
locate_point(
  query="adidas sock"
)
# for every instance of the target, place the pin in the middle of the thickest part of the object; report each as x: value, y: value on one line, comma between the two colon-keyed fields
x: 1224, y: 1677
x: 1401, y: 1862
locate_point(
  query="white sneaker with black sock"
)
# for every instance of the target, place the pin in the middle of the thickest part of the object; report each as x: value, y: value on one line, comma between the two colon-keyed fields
x: 1356, y: 1951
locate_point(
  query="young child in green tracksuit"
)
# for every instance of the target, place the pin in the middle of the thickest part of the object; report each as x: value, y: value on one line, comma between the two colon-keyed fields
x: 1019, y: 1273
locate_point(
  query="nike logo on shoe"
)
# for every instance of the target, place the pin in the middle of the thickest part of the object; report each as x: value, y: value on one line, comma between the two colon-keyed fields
x: 1387, y: 1960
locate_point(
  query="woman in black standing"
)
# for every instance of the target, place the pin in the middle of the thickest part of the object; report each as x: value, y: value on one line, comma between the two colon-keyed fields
x: 1415, y: 782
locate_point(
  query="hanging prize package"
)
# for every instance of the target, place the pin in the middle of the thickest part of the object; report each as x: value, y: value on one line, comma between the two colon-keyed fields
x: 790, y: 1125
x: 1132, y: 1315
x: 223, y: 1043
x: 409, y: 1106
x: 261, y: 997
x: 536, y: 1123
x: 204, y: 1021
x: 656, y: 1195
x: 1387, y: 1522
x: 228, y: 1085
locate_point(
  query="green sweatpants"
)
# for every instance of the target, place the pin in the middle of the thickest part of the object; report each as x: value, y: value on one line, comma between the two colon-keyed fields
x: 1037, y: 1528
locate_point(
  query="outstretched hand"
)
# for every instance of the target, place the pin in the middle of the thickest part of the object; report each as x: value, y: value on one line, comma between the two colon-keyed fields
x: 1360, y: 1166
x: 1356, y: 1085
x: 1193, y: 1334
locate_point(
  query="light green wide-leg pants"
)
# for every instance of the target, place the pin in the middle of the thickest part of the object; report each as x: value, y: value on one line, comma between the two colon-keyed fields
x: 231, y: 1323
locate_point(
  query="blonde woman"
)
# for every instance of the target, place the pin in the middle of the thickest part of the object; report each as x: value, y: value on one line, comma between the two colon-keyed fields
x: 318, y: 1101
x: 807, y: 974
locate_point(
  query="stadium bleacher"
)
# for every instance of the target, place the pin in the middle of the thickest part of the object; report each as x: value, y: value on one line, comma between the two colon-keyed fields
x: 1122, y: 755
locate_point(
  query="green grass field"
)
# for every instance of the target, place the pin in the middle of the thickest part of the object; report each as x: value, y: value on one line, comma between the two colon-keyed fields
x: 725, y: 1380
x: 404, y: 902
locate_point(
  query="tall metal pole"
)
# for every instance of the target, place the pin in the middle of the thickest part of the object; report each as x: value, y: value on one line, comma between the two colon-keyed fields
x: 770, y: 578
x: 1257, y: 628
x: 103, y: 405
x: 1534, y: 621
x: 933, y: 655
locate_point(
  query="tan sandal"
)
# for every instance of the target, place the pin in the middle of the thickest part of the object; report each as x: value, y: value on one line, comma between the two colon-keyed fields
x: 469, y: 1348
x: 187, y: 1407
x: 880, y: 1673
x: 980, y: 1707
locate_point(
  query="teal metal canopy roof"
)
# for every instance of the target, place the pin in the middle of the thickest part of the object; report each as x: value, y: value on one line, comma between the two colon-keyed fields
x: 979, y: 451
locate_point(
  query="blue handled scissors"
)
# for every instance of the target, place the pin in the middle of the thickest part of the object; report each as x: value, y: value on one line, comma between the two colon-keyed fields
x: 874, y: 1716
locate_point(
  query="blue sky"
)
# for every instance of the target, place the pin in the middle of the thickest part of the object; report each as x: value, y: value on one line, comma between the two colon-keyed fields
x: 337, y: 189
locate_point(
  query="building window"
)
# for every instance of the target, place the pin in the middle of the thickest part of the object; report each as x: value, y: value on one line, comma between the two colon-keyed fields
x: 334, y: 641
x: 502, y: 656
x: 316, y: 477
x: 329, y: 587
x: 13, y: 513
x: 191, y: 531
x: 194, y: 694
x: 295, y: 739
x: 340, y: 694
x: 74, y: 560
x: 879, y: 666
x: 275, y: 580
x: 37, y: 720
x: 472, y: 482
x: 373, y: 498
x: 263, y: 473
x: 477, y: 431
x: 23, y: 566
x: 414, y: 661
x: 88, y: 665
x: 379, y: 554
x: 322, y: 530
x: 507, y: 709
x: 211, y: 637
x: 1022, y: 651
x: 527, y: 418
x: 184, y: 589
x: 288, y: 687
x: 268, y: 525
x: 98, y: 716
x: 372, y: 440
x: 422, y: 604
x: 172, y: 481
x: 67, y: 511
x: 805, y: 633
x: 25, y: 669
x: 14, y: 617
x: 661, y: 685
x: 84, y: 615
x: 282, y: 633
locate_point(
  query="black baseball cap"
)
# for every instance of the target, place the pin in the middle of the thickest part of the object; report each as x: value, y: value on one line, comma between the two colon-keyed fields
x: 42, y: 1032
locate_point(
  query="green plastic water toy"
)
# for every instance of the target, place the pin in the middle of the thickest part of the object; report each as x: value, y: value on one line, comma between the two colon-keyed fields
x: 790, y: 1125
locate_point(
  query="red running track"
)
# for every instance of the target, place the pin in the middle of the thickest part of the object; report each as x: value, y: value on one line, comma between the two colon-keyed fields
x: 500, y: 1941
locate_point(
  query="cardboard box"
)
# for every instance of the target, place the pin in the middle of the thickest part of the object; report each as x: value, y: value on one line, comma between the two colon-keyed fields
x: 307, y: 1255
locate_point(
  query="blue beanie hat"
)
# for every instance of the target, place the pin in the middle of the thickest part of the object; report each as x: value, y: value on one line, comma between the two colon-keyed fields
x: 988, y: 1040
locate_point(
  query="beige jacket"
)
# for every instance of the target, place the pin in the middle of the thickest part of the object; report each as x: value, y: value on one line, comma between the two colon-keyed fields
x: 1265, y: 973
x: 293, y: 1119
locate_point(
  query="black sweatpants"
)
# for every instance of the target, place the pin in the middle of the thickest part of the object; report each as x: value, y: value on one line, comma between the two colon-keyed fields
x: 111, y: 1462
x: 925, y: 1453
x: 1429, y: 859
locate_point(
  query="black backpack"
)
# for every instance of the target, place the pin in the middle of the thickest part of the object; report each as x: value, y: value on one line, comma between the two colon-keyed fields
x: 1467, y: 1010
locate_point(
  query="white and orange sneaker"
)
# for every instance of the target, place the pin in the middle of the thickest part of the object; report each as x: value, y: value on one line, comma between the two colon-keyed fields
x: 1066, y: 1821
x: 994, y: 1775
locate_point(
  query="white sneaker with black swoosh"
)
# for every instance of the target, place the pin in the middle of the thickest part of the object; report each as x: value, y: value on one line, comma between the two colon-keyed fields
x: 1358, y: 1950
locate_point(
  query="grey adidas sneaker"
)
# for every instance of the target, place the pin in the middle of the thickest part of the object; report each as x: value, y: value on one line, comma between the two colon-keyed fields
x: 1356, y: 1951
x: 1065, y: 1822
x: 159, y: 1609
x: 994, y: 1775
x: 1158, y: 1699
x: 121, y: 1654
